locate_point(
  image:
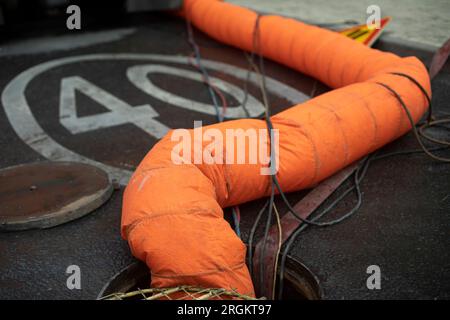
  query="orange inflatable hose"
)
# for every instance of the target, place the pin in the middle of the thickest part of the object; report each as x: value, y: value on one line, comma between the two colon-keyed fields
x: 172, y: 213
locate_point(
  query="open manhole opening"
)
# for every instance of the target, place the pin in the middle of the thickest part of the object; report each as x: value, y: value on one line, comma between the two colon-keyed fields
x: 299, y: 282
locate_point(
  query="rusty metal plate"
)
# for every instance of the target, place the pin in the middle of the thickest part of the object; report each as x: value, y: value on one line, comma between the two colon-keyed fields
x: 46, y: 194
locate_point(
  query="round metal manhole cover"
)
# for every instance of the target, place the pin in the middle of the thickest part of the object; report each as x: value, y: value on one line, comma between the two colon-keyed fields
x: 46, y: 194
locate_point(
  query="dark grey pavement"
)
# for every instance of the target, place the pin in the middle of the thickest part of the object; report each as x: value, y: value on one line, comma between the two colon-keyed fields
x: 403, y: 225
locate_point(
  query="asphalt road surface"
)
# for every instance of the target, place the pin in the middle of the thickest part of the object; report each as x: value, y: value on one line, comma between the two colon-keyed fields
x: 122, y: 91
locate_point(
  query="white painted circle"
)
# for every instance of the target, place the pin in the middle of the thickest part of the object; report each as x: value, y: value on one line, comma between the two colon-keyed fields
x: 28, y: 129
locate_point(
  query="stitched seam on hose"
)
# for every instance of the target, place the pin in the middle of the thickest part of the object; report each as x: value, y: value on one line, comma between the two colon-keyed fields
x: 149, y: 218
x: 364, y: 100
x: 293, y: 123
x: 339, y: 122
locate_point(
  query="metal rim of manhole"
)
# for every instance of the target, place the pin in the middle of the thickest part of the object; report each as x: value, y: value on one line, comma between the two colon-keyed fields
x: 299, y: 282
x: 46, y: 194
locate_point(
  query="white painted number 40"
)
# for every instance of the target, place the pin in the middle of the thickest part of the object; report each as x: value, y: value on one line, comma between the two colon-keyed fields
x: 141, y: 116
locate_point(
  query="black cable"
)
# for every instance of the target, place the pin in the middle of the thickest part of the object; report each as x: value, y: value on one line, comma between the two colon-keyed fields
x: 266, y: 233
x: 411, y: 120
x: 359, y: 174
x: 198, y: 59
x: 272, y: 163
x: 252, y: 235
x: 333, y: 222
x: 274, y: 179
x: 302, y: 227
x: 407, y: 152
x: 425, y: 93
x: 220, y: 117
x: 358, y: 177
x: 257, y: 49
x: 430, y: 120
x: 358, y: 180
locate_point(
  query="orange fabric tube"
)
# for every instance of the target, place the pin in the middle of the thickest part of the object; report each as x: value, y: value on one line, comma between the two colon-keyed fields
x: 172, y: 214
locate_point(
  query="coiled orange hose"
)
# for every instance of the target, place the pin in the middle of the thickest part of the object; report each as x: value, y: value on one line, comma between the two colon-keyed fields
x: 172, y: 214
